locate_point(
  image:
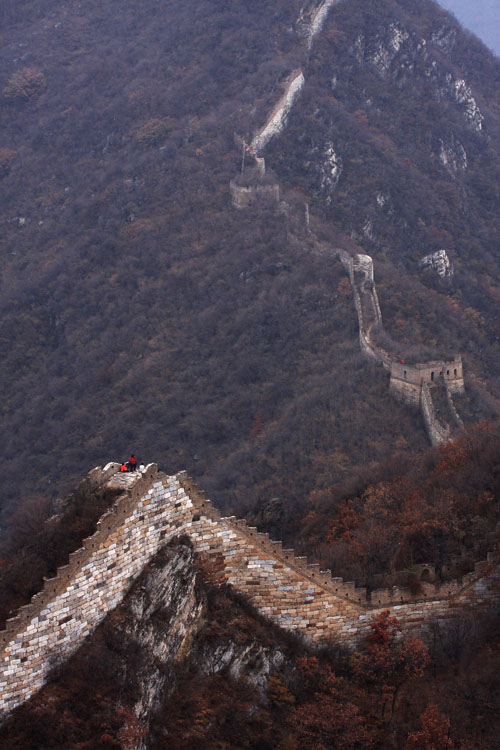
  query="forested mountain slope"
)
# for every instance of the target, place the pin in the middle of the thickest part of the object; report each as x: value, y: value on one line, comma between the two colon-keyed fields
x: 141, y: 311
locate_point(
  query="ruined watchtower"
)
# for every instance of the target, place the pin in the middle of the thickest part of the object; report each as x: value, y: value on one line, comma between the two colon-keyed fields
x: 254, y: 185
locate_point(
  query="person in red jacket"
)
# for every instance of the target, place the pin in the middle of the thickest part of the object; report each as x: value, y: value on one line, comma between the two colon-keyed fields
x: 132, y: 463
x: 124, y: 467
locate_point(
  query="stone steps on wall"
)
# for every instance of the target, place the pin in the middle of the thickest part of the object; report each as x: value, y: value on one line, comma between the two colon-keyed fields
x: 323, y: 579
x: 335, y: 585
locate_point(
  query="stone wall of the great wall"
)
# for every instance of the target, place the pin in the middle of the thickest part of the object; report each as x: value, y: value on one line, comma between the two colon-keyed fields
x: 406, y: 379
x: 413, y: 384
x: 245, y: 195
x: 152, y: 510
x: 72, y: 604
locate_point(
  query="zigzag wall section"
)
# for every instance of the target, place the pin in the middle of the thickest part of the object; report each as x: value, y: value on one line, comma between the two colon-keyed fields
x: 408, y: 383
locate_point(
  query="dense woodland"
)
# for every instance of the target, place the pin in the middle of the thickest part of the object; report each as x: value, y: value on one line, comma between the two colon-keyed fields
x: 439, y: 508
x: 142, y: 312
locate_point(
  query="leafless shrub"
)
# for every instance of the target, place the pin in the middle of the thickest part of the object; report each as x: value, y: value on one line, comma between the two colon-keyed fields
x: 25, y: 84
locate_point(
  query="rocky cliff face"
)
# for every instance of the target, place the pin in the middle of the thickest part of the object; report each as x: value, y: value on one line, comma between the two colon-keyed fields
x: 172, y: 623
x: 159, y: 618
x: 164, y: 619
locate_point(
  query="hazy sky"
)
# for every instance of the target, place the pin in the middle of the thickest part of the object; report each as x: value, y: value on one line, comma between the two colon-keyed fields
x: 480, y: 16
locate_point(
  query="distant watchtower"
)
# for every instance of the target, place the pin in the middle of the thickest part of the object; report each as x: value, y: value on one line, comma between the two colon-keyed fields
x: 407, y: 379
x: 254, y: 185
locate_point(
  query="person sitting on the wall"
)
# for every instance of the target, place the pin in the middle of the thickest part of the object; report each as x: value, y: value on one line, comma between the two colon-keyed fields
x: 124, y: 467
x: 132, y: 463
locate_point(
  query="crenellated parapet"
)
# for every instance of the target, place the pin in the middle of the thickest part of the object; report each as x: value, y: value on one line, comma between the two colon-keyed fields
x: 151, y: 510
x: 407, y: 379
x: 97, y: 576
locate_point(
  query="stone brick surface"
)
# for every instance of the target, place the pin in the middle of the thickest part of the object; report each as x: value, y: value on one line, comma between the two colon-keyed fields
x: 152, y: 510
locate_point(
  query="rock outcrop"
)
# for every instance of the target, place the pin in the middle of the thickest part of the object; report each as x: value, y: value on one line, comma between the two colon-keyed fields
x: 438, y: 262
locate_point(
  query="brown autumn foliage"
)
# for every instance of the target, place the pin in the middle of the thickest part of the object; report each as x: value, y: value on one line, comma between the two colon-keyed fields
x: 325, y: 719
x: 24, y: 84
x: 443, y: 508
x: 434, y: 734
x: 388, y: 661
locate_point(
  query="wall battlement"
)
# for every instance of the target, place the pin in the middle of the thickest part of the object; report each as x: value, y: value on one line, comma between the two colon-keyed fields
x: 151, y: 511
x: 407, y: 387
x: 407, y: 380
